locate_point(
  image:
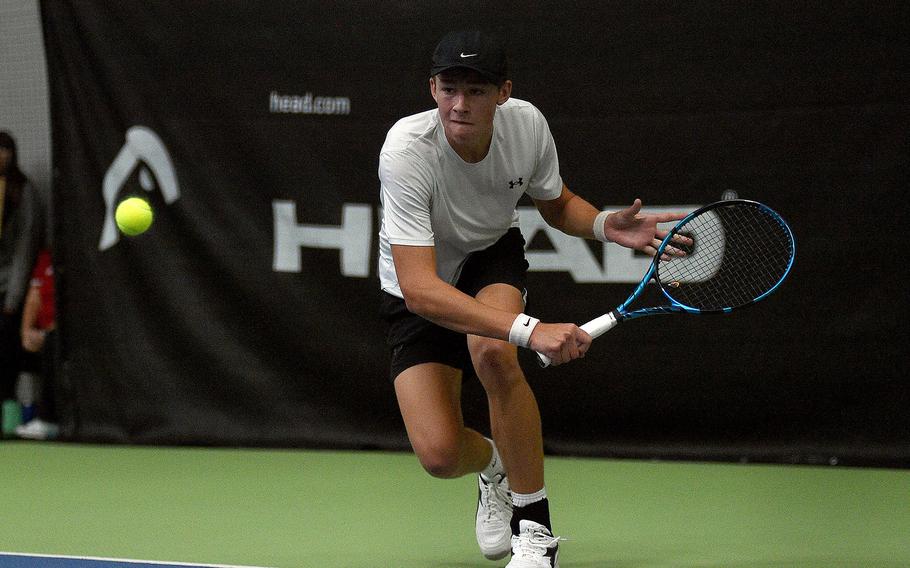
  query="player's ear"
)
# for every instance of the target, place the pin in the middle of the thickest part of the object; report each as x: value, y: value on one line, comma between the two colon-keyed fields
x: 433, y: 87
x: 505, y: 91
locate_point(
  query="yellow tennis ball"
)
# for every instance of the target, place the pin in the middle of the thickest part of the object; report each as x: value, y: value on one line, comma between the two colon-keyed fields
x: 134, y: 216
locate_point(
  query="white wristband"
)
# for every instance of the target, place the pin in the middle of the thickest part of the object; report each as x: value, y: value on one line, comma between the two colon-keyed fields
x: 599, y: 226
x: 520, y: 333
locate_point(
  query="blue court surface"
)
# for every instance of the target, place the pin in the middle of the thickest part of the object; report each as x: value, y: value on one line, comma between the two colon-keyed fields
x: 9, y: 560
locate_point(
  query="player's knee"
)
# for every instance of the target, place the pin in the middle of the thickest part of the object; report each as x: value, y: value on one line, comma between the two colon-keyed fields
x: 495, y: 361
x: 439, y: 461
x: 438, y: 454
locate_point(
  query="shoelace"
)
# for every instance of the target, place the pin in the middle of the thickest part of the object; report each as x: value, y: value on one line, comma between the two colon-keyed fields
x: 492, y: 496
x: 537, y: 543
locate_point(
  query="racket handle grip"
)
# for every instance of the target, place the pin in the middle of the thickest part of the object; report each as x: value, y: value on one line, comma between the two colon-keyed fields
x: 543, y: 360
x: 595, y: 328
x: 599, y: 326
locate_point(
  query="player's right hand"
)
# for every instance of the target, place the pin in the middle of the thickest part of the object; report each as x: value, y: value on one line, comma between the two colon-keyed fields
x: 561, y: 342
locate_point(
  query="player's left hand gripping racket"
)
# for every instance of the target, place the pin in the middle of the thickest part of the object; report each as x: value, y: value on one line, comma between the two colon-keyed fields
x: 741, y: 252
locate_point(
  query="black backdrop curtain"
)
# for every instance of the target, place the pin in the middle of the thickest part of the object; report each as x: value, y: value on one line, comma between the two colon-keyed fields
x: 247, y: 314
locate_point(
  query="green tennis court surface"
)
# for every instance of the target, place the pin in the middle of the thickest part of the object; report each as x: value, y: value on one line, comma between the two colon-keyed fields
x: 293, y: 509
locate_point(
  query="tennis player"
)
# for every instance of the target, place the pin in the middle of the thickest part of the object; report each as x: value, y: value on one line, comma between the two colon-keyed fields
x: 452, y: 271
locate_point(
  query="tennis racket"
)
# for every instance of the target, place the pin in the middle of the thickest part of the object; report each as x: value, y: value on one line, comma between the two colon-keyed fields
x: 741, y: 251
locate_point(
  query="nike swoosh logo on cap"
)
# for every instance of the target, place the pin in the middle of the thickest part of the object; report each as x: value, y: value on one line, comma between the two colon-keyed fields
x: 463, y: 54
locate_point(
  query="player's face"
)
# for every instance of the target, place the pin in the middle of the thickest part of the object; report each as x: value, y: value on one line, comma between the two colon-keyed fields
x: 467, y: 104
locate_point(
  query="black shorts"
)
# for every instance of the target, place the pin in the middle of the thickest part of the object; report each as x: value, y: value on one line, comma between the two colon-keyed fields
x: 414, y: 340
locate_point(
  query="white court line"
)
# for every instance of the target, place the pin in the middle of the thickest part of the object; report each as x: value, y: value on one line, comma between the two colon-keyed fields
x: 126, y: 560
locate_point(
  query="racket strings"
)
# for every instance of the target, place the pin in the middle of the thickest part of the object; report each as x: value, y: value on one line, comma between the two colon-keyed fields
x: 740, y: 252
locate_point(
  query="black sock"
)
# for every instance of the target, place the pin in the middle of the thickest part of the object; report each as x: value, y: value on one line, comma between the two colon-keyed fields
x: 539, y: 512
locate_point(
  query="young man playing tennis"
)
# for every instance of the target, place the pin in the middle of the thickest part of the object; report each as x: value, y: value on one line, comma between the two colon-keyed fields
x: 452, y: 270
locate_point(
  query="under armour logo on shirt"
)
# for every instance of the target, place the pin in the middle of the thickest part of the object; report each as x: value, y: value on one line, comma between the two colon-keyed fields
x: 512, y: 184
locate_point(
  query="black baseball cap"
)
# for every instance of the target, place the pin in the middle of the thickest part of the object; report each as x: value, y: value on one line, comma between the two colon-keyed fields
x: 474, y: 50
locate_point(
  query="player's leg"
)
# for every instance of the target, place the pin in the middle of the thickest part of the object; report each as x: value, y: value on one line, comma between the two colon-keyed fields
x: 426, y: 370
x: 516, y: 426
x: 514, y: 415
x: 429, y: 398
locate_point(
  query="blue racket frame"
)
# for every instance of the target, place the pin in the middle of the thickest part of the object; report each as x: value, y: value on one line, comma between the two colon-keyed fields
x: 677, y: 307
x: 606, y: 322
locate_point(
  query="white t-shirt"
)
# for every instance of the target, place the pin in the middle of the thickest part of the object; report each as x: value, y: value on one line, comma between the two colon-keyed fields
x: 432, y: 197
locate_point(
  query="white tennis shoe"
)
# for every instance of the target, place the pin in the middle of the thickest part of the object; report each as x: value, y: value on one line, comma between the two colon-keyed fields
x: 494, y: 516
x: 534, y: 547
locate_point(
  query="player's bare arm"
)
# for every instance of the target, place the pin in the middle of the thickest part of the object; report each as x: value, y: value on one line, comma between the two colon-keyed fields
x: 573, y: 215
x: 429, y: 296
x: 569, y: 213
x: 432, y: 298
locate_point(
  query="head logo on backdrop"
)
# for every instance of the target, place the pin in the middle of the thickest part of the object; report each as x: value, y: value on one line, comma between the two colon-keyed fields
x: 567, y: 254
x: 143, y: 149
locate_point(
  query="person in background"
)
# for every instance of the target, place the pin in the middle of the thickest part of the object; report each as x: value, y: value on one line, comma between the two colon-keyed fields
x: 39, y: 338
x: 20, y: 238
